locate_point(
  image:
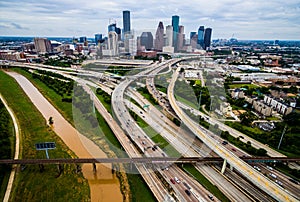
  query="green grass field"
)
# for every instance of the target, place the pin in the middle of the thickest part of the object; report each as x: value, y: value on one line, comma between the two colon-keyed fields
x: 7, y: 137
x: 32, y: 184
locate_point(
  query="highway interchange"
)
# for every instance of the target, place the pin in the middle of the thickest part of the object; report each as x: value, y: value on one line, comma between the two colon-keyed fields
x: 240, y: 182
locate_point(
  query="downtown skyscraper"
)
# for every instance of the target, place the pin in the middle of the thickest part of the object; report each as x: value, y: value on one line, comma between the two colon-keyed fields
x: 126, y: 22
x: 175, y: 25
x: 200, y: 40
x: 159, y: 37
x: 207, y: 38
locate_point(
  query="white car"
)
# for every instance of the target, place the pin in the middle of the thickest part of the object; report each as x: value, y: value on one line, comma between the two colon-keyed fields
x: 177, y: 180
x: 257, y: 168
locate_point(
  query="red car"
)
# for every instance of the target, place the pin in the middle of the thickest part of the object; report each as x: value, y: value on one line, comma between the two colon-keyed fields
x: 233, y: 149
x: 172, y: 180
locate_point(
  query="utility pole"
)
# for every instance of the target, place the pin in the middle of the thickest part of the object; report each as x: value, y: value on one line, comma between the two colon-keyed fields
x: 200, y: 100
x: 283, y: 132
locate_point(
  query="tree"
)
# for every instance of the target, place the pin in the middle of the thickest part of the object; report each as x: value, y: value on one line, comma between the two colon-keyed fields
x: 292, y: 119
x: 261, y: 152
x: 246, y: 118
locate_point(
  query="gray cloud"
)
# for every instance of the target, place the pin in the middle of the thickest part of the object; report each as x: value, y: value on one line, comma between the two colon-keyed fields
x: 246, y: 19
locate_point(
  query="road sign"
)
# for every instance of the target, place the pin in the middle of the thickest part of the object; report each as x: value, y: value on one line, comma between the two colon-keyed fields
x: 45, y: 145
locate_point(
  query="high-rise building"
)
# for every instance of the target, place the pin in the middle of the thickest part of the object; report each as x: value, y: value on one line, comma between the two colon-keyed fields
x: 192, y: 34
x: 159, y: 37
x: 98, y: 38
x: 180, y: 38
x: 126, y: 21
x: 113, y: 43
x: 207, y: 38
x: 113, y: 28
x: 169, y: 35
x: 200, y: 40
x: 175, y: 24
x: 82, y: 39
x: 42, y: 45
x: 132, y: 46
x: 194, y: 41
x: 147, y: 40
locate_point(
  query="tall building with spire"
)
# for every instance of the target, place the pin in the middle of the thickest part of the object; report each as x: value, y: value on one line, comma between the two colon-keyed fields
x: 159, y: 37
x: 126, y: 22
x: 175, y: 25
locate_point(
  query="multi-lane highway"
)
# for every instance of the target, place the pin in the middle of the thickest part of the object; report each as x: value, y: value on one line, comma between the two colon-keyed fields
x: 143, y: 141
x: 136, y: 138
x: 246, y: 170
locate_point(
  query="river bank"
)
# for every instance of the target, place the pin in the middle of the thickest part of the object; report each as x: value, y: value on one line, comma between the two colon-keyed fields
x: 79, y: 144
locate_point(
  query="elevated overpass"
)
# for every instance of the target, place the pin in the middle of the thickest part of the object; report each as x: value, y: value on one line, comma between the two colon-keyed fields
x: 245, y: 169
x: 143, y: 160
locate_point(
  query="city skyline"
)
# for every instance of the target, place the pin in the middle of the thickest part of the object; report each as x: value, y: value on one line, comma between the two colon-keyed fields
x: 229, y: 18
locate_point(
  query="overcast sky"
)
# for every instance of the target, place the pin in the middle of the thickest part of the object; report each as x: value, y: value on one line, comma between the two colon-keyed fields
x: 243, y: 19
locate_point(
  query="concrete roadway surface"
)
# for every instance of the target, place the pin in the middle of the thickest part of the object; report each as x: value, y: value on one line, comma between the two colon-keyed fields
x: 150, y: 178
x: 223, y: 185
x: 279, y: 178
x: 251, y: 174
x: 156, y: 120
x: 137, y: 134
x: 287, y: 184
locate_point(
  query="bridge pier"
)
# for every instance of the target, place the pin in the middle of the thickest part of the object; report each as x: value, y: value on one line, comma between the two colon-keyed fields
x: 59, y: 168
x: 78, y: 168
x: 231, y: 167
x: 94, y: 168
x: 224, y: 166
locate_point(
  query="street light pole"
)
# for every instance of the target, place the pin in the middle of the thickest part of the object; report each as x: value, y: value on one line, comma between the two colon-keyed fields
x: 283, y: 132
x: 200, y: 100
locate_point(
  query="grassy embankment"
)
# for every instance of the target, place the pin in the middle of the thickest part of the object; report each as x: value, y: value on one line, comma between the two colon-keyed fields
x: 7, y: 139
x: 33, y: 183
x: 136, y: 182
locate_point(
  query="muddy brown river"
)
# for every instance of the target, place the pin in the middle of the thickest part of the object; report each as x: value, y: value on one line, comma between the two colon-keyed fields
x: 104, y: 185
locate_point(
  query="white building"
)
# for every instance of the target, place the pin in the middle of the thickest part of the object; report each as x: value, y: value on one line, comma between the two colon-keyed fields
x: 169, y: 35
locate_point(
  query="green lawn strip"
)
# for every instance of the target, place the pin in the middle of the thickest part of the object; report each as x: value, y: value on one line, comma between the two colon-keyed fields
x: 233, y: 86
x: 186, y: 102
x: 30, y: 183
x: 145, y: 93
x: 139, y: 189
x: 7, y: 140
x: 205, y: 182
x: 65, y: 108
x: 105, y: 99
x: 198, y: 82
